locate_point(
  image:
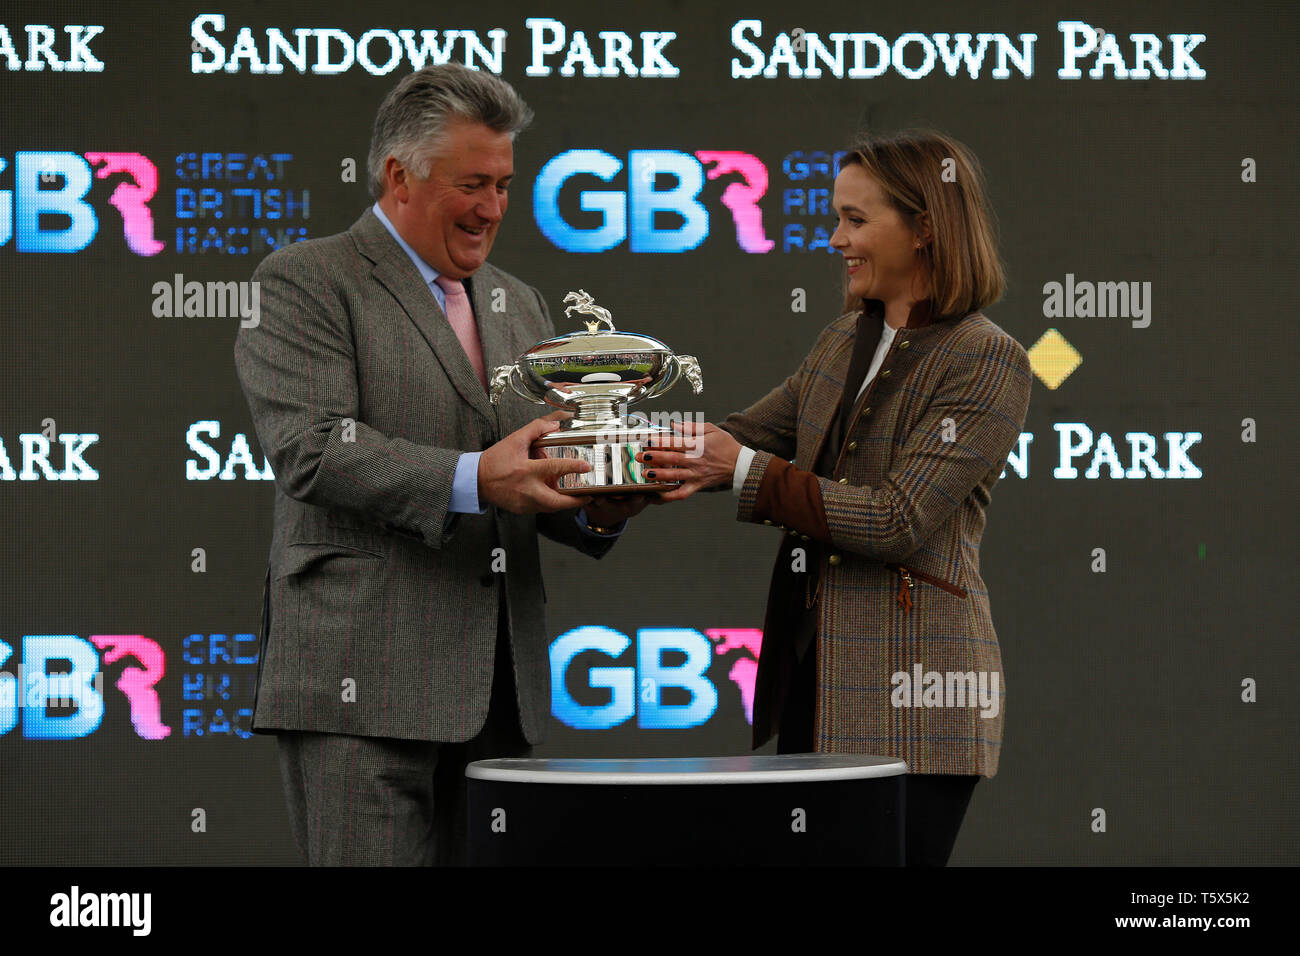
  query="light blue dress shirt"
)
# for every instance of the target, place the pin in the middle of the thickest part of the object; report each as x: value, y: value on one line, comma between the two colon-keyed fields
x: 464, y: 484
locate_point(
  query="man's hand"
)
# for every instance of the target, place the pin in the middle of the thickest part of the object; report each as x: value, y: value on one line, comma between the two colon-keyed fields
x: 701, y: 458
x: 509, y: 478
x: 608, y: 510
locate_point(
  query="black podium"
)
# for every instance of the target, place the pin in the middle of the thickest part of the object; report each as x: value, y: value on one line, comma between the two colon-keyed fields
x: 791, y: 809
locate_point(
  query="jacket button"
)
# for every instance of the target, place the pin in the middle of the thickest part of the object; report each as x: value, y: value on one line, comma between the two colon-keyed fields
x: 834, y: 559
x: 853, y: 446
x: 768, y: 522
x: 867, y: 410
x: 844, y: 481
x: 903, y: 345
x: 885, y: 374
x: 805, y: 537
x: 487, y: 579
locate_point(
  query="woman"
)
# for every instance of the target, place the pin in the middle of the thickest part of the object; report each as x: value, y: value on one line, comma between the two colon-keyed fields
x: 898, y: 425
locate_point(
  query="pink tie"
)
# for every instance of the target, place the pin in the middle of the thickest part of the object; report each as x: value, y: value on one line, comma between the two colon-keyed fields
x: 461, y: 317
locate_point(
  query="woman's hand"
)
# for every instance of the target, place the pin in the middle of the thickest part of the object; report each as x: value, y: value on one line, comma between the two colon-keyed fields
x: 703, y: 457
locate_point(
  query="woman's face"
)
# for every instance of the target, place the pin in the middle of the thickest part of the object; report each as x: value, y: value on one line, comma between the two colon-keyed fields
x: 879, y: 249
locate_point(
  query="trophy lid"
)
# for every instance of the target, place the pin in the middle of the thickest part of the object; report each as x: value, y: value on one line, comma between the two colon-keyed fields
x: 597, y: 342
x: 596, y: 369
x: 597, y: 359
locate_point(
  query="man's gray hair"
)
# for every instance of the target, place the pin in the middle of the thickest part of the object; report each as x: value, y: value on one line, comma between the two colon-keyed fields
x: 412, y: 120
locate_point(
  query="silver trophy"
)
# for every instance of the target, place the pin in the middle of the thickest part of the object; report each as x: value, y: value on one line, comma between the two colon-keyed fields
x: 595, y: 375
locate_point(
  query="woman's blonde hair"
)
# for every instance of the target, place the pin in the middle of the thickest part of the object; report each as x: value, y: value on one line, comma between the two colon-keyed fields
x: 925, y: 171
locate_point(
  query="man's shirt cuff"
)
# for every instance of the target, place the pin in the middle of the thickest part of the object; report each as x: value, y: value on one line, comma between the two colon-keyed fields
x: 581, y: 518
x: 464, y: 485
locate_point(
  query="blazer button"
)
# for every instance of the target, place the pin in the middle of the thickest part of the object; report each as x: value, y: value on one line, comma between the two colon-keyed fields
x: 844, y: 481
x: 867, y: 410
x: 903, y: 345
x: 834, y: 559
x: 768, y: 522
x: 885, y: 374
x: 853, y: 446
x: 487, y: 579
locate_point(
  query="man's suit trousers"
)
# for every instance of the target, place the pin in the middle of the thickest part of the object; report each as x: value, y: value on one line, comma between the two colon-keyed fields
x: 378, y: 801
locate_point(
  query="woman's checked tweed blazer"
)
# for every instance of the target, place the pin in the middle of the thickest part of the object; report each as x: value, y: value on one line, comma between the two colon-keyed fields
x: 891, y: 538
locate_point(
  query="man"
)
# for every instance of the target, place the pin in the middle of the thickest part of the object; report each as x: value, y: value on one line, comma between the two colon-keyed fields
x: 403, y: 631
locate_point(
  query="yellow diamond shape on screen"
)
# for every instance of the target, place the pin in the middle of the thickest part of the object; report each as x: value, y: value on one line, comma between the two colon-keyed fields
x: 1053, y: 359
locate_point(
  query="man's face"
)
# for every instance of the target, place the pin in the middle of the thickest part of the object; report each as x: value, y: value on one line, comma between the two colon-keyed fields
x: 450, y: 219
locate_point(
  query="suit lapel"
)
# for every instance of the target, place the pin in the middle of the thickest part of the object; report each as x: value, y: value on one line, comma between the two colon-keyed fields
x: 395, y: 272
x: 824, y: 397
x: 923, y: 332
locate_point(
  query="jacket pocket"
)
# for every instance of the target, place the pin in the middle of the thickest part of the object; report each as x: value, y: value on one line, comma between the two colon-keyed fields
x: 905, y: 584
x: 299, y: 556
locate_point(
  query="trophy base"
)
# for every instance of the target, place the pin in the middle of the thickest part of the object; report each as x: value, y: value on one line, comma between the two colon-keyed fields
x: 650, y: 488
x: 611, y: 450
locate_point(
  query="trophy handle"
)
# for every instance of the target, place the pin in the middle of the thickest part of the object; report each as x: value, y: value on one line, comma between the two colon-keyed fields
x: 500, y: 379
x: 690, y: 365
x: 678, y: 365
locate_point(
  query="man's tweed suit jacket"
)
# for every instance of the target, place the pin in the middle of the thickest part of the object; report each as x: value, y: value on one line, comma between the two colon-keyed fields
x: 378, y: 619
x: 892, y: 536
